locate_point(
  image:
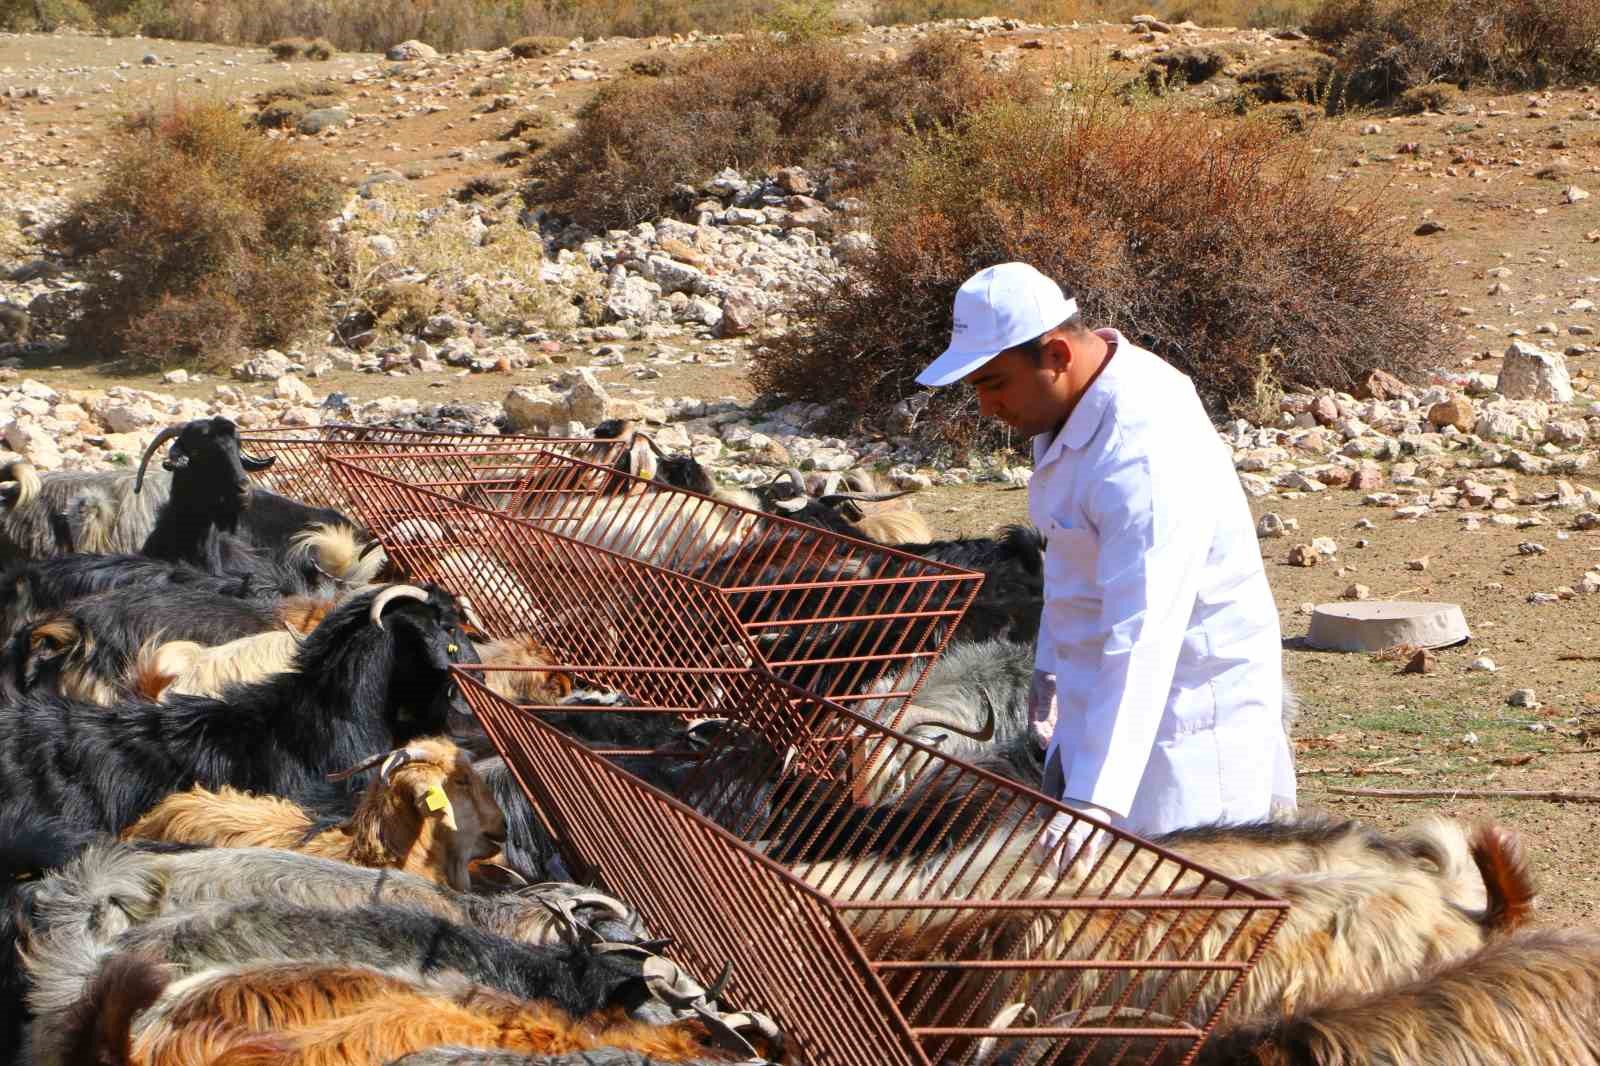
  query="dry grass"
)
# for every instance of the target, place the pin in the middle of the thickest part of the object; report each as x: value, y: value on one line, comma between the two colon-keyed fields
x: 451, y: 25
x: 494, y: 277
x: 1205, y: 12
x: 1388, y: 46
x: 751, y: 105
x: 1209, y: 240
x: 202, y: 237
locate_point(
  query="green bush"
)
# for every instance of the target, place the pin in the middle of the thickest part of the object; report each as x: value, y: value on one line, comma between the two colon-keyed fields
x: 749, y: 105
x: 1211, y: 241
x: 203, y: 236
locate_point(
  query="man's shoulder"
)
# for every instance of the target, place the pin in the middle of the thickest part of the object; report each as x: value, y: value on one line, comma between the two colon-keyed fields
x: 1153, y: 407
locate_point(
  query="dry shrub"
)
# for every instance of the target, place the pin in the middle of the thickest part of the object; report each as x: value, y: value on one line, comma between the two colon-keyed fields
x: 1205, y: 12
x: 537, y: 47
x: 1210, y: 241
x: 203, y: 236
x: 449, y: 25
x: 286, y: 48
x: 1289, y: 76
x: 1388, y: 46
x: 27, y: 16
x: 750, y: 105
x: 319, y: 50
x: 1194, y: 64
x: 404, y: 307
x: 1434, y: 97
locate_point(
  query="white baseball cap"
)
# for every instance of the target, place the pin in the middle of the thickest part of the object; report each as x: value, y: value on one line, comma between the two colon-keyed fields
x: 997, y: 308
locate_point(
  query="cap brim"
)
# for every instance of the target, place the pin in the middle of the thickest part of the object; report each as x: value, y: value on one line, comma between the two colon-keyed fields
x: 952, y: 366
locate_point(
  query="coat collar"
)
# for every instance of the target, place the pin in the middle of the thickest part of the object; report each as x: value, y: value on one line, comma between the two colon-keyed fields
x: 1087, y: 416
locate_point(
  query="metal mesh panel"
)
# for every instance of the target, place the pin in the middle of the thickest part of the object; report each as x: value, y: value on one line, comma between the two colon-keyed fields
x: 301, y: 472
x: 886, y: 902
x: 668, y: 594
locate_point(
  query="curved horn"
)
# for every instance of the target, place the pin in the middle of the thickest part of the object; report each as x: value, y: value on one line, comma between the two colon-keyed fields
x: 918, y: 715
x: 464, y: 603
x: 864, y: 497
x: 389, y: 595
x: 397, y: 759
x: 365, y: 764
x: 161, y: 438
x: 250, y: 462
x: 797, y: 481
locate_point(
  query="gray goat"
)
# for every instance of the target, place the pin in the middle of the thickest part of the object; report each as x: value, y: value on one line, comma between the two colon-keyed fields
x: 110, y: 888
x: 75, y: 511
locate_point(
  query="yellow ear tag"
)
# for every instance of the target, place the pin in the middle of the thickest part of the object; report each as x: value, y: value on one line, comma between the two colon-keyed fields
x: 452, y: 648
x: 436, y: 799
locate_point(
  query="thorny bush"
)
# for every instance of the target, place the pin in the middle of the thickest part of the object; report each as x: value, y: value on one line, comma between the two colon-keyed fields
x: 203, y: 236
x: 750, y: 105
x: 1209, y: 240
x: 1388, y: 46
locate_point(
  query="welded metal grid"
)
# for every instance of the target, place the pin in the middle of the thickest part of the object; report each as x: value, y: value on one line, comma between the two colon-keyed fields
x: 301, y: 469
x: 673, y: 596
x: 886, y: 903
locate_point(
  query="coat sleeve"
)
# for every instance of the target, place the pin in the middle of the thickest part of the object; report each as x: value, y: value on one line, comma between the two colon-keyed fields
x: 1155, y: 532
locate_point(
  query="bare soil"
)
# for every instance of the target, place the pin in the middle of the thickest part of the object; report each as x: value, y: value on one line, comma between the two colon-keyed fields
x: 1365, y: 724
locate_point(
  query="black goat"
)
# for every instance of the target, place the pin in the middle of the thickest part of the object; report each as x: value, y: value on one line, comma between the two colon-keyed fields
x: 30, y: 588
x: 372, y: 676
x: 85, y: 650
x: 216, y: 520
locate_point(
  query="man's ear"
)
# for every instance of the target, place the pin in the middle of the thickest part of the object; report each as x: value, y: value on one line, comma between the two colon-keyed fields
x: 1055, y: 352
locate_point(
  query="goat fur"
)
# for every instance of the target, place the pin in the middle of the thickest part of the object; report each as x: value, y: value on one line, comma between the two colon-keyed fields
x: 335, y: 1015
x: 109, y: 888
x: 393, y: 827
x: 185, y: 668
x: 85, y: 651
x: 397, y: 941
x: 99, y: 508
x: 357, y: 688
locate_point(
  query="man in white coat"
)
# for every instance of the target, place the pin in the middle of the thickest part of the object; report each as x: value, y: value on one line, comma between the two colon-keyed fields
x: 1158, y: 684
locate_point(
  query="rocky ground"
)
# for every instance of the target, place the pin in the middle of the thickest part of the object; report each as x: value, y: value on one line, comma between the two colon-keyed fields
x: 1475, y: 488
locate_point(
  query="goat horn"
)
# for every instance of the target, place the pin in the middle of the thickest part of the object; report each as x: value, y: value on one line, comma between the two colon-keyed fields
x: 465, y: 603
x: 397, y: 759
x: 252, y: 463
x: 916, y: 715
x: 365, y: 764
x: 864, y: 497
x: 389, y: 595
x: 161, y: 438
x: 797, y: 481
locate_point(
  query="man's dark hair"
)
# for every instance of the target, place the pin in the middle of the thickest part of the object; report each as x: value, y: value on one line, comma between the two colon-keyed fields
x: 1034, y: 349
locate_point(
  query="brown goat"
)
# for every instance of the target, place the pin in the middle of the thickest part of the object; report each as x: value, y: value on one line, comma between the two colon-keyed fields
x: 1344, y: 934
x: 522, y: 685
x: 307, y: 1014
x: 427, y: 812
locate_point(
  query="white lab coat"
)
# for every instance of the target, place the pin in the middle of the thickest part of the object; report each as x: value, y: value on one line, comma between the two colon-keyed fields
x: 1158, y: 621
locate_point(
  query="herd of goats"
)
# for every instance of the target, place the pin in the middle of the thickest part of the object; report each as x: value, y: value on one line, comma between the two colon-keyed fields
x: 247, y: 817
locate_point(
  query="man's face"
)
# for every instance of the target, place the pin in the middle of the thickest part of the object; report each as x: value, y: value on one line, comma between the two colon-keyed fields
x: 1030, y: 396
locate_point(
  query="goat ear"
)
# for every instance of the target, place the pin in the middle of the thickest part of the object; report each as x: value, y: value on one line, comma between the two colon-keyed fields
x: 432, y: 800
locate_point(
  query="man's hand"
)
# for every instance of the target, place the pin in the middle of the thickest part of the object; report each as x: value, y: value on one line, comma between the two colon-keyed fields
x: 1042, y: 708
x: 1067, y: 840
